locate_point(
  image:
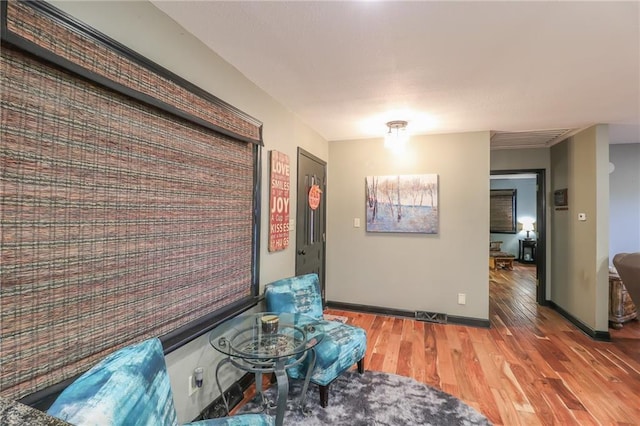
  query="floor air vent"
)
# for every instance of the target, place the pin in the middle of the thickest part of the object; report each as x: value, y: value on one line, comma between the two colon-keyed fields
x: 431, y: 317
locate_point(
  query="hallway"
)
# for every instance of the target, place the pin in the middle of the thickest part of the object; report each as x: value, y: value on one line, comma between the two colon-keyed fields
x: 531, y: 367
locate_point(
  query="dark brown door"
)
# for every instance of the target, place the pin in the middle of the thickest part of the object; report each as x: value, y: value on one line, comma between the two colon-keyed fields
x: 310, y: 218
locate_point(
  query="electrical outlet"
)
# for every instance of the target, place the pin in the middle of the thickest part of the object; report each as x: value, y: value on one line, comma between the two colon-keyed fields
x: 192, y: 386
x: 462, y: 299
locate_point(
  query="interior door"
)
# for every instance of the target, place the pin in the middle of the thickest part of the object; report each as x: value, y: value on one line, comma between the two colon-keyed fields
x: 310, y: 217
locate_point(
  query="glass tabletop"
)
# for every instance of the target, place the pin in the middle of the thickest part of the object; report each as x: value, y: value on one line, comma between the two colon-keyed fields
x: 266, y: 335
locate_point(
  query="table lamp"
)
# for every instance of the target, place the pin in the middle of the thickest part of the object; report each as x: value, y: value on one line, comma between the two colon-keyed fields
x: 528, y: 226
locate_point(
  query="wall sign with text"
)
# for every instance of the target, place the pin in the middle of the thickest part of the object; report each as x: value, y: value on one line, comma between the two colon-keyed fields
x: 279, y: 201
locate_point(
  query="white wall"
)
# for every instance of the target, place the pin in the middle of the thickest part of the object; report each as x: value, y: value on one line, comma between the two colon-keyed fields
x: 579, y: 249
x: 624, y: 199
x: 143, y: 28
x: 412, y: 271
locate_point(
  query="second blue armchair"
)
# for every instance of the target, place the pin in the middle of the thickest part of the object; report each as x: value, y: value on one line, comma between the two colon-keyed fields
x: 342, y: 346
x: 131, y: 387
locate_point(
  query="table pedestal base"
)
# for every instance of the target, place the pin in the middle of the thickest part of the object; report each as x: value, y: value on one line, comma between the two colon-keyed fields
x: 279, y: 368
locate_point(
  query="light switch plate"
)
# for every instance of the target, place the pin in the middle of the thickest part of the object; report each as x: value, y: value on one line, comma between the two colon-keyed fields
x: 356, y: 222
x: 462, y: 299
x: 582, y: 217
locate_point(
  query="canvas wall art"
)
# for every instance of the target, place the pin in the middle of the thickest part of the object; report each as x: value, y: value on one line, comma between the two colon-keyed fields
x: 406, y: 203
x: 279, y: 201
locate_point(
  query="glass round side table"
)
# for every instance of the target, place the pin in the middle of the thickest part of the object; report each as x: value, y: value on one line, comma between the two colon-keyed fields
x: 268, y: 342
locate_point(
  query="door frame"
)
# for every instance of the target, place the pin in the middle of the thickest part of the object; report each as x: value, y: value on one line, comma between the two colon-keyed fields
x: 541, y: 221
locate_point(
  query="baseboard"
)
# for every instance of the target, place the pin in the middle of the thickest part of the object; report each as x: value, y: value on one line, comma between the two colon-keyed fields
x: 451, y: 319
x: 370, y: 309
x: 602, y: 336
x: 471, y: 322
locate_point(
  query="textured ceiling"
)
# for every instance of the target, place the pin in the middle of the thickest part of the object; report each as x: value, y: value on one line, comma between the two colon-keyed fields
x: 346, y: 68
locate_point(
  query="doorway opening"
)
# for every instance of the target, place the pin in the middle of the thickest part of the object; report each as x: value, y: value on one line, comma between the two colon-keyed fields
x: 527, y: 242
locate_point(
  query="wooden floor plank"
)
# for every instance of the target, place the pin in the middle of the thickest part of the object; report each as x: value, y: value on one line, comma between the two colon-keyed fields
x: 445, y: 369
x: 420, y: 351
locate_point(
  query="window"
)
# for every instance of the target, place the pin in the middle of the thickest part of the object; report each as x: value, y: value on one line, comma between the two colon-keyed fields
x: 128, y: 200
x: 503, y: 211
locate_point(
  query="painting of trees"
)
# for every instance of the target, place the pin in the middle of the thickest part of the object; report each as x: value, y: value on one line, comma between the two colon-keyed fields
x: 404, y: 203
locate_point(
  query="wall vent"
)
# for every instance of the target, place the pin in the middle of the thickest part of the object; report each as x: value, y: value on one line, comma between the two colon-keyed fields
x: 431, y: 317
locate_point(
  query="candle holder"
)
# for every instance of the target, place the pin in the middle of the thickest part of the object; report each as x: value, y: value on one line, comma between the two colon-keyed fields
x: 270, y: 324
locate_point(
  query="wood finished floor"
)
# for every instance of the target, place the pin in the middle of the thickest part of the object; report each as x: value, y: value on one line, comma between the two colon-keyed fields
x: 531, y: 367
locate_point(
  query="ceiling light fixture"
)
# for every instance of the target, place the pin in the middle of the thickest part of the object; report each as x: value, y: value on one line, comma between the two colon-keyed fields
x: 397, y: 136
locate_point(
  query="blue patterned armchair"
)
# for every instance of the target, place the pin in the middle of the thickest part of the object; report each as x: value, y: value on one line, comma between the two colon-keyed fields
x: 342, y: 345
x: 131, y: 387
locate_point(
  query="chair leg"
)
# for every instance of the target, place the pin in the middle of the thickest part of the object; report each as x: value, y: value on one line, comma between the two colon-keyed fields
x: 361, y: 366
x: 324, y: 395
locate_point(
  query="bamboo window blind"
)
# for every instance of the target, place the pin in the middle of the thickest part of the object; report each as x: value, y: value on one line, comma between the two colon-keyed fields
x: 120, y: 220
x: 502, y: 211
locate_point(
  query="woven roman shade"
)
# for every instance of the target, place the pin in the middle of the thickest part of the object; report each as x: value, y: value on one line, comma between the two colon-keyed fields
x: 122, y: 218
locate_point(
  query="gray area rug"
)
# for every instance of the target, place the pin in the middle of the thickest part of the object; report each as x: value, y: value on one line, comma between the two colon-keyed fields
x: 374, y: 398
